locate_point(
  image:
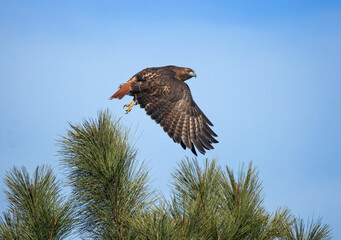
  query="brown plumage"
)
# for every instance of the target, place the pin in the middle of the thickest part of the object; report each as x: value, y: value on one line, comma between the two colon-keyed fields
x: 161, y: 91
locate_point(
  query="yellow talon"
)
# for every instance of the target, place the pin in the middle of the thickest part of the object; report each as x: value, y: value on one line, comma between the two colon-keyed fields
x: 129, y: 106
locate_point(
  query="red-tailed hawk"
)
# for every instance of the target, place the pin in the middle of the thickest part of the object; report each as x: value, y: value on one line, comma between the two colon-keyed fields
x: 161, y: 91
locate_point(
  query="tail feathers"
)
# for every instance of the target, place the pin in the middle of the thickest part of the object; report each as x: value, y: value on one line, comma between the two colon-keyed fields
x: 124, y: 89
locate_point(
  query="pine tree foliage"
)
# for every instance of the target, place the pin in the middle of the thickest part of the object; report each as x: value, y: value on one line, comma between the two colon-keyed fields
x: 112, y: 199
x: 36, y: 208
x: 108, y: 186
x: 10, y: 226
x: 156, y: 224
x: 213, y: 204
x: 316, y: 230
x: 243, y: 206
x: 115, y: 202
x: 197, y: 199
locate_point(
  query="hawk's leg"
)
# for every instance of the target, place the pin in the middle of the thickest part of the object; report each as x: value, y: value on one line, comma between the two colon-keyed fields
x: 129, y: 106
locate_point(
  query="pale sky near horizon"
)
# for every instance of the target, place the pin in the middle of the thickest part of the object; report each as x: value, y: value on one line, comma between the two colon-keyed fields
x: 268, y: 78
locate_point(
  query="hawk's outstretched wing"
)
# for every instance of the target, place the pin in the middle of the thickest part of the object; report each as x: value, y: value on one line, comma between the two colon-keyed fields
x: 169, y: 102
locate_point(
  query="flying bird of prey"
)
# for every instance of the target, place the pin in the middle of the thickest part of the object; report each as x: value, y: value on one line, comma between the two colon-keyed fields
x: 162, y: 92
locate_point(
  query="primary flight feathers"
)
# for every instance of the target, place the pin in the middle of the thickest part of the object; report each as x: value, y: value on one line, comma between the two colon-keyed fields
x: 161, y: 91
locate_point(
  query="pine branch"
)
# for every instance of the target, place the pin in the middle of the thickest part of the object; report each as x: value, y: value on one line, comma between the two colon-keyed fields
x: 53, y: 227
x: 32, y: 205
x: 108, y: 185
x: 212, y: 204
x: 197, y: 198
x: 316, y: 230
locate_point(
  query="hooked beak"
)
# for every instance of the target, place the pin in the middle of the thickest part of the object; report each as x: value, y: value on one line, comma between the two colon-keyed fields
x: 193, y: 74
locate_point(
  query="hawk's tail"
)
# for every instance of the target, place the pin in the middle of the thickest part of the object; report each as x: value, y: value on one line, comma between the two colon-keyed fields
x: 124, y: 90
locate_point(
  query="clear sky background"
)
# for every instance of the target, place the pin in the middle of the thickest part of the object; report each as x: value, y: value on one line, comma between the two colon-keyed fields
x: 269, y: 78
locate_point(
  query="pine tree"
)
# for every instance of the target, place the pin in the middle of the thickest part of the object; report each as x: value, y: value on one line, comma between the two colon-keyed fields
x: 108, y: 186
x: 115, y: 202
x: 36, y: 209
x: 214, y: 205
x: 112, y: 199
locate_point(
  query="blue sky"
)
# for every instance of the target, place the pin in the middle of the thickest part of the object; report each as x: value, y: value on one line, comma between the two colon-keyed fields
x: 268, y: 78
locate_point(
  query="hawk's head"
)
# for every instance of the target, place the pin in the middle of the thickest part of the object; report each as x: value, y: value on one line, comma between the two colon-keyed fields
x: 184, y: 74
x: 190, y: 73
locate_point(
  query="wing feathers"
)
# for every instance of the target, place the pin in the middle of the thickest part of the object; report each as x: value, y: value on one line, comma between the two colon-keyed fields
x: 184, y: 124
x: 185, y: 132
x: 197, y: 138
x: 178, y: 128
